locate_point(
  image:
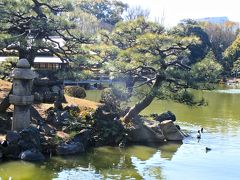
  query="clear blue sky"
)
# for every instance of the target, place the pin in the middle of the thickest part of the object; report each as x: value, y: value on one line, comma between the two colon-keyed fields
x: 173, y: 11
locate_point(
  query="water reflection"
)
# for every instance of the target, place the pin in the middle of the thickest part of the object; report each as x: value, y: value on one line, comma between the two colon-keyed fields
x: 169, y: 150
x: 134, y: 162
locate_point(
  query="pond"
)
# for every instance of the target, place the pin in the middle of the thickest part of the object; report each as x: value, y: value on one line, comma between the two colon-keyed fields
x: 189, y: 160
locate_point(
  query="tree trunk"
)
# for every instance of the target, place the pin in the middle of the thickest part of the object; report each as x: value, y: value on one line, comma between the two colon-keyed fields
x: 28, y: 54
x: 129, y: 85
x: 4, y: 105
x: 137, y: 108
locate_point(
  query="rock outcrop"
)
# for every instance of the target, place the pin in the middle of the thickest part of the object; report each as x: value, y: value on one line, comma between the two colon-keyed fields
x: 48, y: 91
x: 31, y: 155
x: 25, y: 145
x: 145, y: 132
x: 164, y: 116
x: 78, y: 144
x: 170, y: 131
x: 70, y: 148
x: 152, y: 131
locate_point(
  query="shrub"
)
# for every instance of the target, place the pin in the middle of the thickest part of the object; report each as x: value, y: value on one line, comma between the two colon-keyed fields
x: 6, y: 67
x: 75, y: 91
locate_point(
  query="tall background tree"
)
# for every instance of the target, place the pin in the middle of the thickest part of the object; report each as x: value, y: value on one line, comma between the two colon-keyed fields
x: 190, y: 27
x: 232, y: 56
x: 108, y: 12
x: 221, y: 37
x: 207, y: 70
x: 136, y: 12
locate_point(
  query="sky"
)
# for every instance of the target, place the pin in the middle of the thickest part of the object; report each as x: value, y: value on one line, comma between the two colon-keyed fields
x: 172, y: 11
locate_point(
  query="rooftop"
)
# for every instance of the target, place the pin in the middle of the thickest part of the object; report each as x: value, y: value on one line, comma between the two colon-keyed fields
x: 40, y: 59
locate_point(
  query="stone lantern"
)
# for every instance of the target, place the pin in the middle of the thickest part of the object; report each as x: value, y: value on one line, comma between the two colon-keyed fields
x: 21, y: 97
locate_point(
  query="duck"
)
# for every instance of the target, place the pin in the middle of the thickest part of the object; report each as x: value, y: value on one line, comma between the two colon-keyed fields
x: 201, y: 130
x: 122, y: 144
x: 208, y: 149
x: 199, y: 134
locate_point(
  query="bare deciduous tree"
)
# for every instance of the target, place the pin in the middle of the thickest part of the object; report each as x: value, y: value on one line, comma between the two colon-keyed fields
x: 136, y: 12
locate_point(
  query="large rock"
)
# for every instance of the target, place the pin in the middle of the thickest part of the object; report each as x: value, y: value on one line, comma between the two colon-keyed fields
x: 69, y: 148
x: 31, y: 155
x: 165, y: 116
x: 56, y: 89
x: 25, y: 145
x: 145, y: 133
x: 30, y: 139
x: 83, y: 136
x: 11, y: 151
x: 170, y: 131
x: 13, y: 137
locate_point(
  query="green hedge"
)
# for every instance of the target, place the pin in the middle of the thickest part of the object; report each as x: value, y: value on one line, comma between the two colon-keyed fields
x: 75, y: 91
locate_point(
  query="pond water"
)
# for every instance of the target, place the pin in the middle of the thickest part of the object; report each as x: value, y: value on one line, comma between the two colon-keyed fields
x: 189, y: 160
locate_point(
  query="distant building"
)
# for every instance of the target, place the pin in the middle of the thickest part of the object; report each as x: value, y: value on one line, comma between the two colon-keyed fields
x: 50, y: 63
x: 214, y: 20
x: 46, y: 63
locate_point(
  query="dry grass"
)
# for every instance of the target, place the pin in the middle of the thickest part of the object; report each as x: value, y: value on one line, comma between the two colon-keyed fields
x: 81, y: 102
x: 62, y: 135
x: 6, y: 86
